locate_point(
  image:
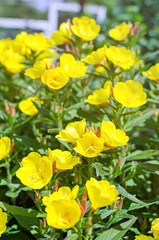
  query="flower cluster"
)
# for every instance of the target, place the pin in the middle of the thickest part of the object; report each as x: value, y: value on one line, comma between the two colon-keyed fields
x: 90, y: 143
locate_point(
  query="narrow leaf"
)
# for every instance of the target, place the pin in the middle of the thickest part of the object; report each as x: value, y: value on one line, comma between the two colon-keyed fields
x: 138, y: 155
x: 117, y: 232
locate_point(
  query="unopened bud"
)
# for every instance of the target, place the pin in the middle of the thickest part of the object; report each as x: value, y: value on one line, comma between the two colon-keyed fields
x: 89, y: 223
x: 136, y: 28
x: 120, y: 204
x: 6, y: 107
x: 84, y: 196
x: 52, y: 66
x: 44, y: 222
x: 77, y: 50
x: 61, y: 108
x: 55, y: 108
x: 82, y: 211
x: 120, y: 161
x: 37, y: 197
x: 131, y: 28
x: 111, y: 89
x: 12, y: 111
x: 12, y: 147
x: 76, y: 178
x: 54, y: 167
x: 68, y: 49
x: 98, y: 133
x: 56, y: 186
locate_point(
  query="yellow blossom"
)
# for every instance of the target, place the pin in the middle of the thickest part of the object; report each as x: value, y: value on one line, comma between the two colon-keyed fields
x: 64, y: 159
x: 27, y: 106
x: 96, y: 57
x: 113, y: 137
x: 63, y: 213
x: 72, y: 132
x: 120, y: 56
x: 144, y: 237
x: 62, y: 193
x: 35, y: 171
x: 101, y: 95
x: 3, y: 221
x: 55, y: 78
x: 89, y: 145
x: 63, y: 34
x: 100, y: 69
x: 73, y: 68
x: 12, y: 61
x: 130, y: 94
x: 101, y: 193
x: 85, y: 28
x: 38, y: 68
x: 5, y: 144
x: 155, y: 228
x: 120, y: 32
x: 153, y: 73
x: 37, y: 42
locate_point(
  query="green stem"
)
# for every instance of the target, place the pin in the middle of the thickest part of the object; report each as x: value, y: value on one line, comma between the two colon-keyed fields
x: 9, y: 176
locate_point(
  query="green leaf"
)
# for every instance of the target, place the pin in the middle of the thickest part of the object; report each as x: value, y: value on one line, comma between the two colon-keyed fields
x: 136, y: 121
x: 75, y: 106
x: 138, y: 155
x: 104, y: 213
x: 42, y: 110
x: 21, y: 211
x: 134, y: 206
x: 3, y: 116
x: 98, y: 167
x: 72, y: 237
x: 117, y: 232
x: 28, y: 223
x: 153, y: 168
x: 28, y: 142
x: 124, y: 193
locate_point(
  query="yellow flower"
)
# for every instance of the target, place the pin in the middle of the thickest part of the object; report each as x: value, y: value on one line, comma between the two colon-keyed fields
x: 85, y: 28
x: 55, y: 78
x: 27, y: 106
x: 72, y: 132
x: 63, y: 34
x: 38, y: 68
x: 101, y: 193
x: 89, y: 145
x: 155, y: 228
x: 100, y: 70
x: 3, y: 221
x: 113, y: 137
x: 62, y: 193
x: 130, y: 94
x: 143, y: 237
x: 120, y: 32
x: 5, y: 144
x: 73, y: 68
x: 153, y: 73
x: 64, y: 159
x: 63, y: 213
x: 37, y: 42
x: 101, y: 95
x: 12, y: 61
x: 120, y: 56
x: 96, y: 57
x: 35, y: 171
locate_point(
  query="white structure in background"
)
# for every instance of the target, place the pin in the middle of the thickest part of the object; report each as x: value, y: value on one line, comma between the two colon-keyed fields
x: 51, y: 25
